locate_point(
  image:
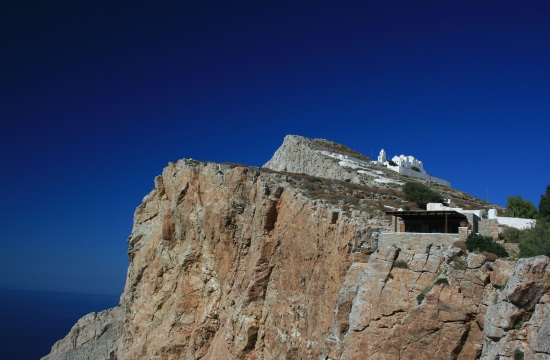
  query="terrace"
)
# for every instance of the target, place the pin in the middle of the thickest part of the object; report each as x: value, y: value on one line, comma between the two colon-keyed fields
x: 428, y: 221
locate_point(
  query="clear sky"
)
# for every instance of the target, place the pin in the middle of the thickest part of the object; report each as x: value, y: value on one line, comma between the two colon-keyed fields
x: 96, y: 99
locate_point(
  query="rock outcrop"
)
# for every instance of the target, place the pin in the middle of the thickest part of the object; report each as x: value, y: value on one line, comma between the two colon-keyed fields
x: 94, y: 336
x: 323, y: 158
x: 231, y: 262
x: 290, y: 262
x: 327, y: 159
x: 517, y: 321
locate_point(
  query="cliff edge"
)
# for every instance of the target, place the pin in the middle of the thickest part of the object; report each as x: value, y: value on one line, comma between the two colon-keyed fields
x: 290, y: 262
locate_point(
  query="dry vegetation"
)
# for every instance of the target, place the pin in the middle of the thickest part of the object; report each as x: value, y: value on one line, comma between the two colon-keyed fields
x: 327, y: 145
x: 346, y: 195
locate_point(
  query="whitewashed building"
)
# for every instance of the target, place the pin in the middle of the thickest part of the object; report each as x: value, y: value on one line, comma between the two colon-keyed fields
x: 408, y: 165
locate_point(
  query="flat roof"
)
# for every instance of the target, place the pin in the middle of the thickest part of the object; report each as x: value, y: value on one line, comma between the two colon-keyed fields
x: 427, y: 213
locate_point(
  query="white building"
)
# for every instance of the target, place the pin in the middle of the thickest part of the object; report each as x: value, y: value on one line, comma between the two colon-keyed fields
x: 439, y: 206
x: 408, y: 162
x: 382, y: 156
x: 494, y: 223
x: 518, y: 223
x: 408, y: 165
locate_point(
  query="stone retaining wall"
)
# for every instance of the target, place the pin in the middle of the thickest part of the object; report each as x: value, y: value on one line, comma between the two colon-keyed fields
x: 402, y: 238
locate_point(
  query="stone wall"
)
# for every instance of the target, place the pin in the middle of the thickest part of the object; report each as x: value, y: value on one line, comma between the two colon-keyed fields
x: 401, y: 239
x: 473, y: 221
x: 488, y: 228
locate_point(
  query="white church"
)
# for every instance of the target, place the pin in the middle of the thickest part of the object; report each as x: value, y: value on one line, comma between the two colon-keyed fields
x: 408, y: 165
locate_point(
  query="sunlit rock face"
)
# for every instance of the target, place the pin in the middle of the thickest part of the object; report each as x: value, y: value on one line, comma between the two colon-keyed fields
x: 232, y: 262
x: 236, y: 262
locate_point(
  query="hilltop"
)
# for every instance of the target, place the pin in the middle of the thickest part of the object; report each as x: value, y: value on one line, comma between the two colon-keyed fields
x: 329, y: 160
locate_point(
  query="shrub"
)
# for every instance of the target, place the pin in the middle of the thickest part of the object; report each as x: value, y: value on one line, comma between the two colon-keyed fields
x: 400, y: 264
x: 392, y: 163
x: 485, y: 243
x: 442, y: 281
x: 420, y: 194
x: 459, y: 264
x: 309, y: 186
x: 518, y: 355
x: 511, y: 235
x: 420, y: 297
x: 415, y: 168
x: 536, y: 241
x: 544, y: 204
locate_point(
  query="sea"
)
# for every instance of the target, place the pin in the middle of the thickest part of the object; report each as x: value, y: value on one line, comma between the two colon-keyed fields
x: 32, y: 321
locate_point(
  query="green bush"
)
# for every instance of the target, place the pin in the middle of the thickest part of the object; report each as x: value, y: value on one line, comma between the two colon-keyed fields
x: 459, y: 263
x: 484, y: 243
x: 392, y: 163
x: 520, y: 208
x: 511, y: 235
x: 544, y: 204
x: 415, y: 168
x: 420, y: 194
x: 536, y: 241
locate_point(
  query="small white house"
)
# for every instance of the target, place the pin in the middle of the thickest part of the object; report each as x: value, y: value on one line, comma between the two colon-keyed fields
x: 486, y: 223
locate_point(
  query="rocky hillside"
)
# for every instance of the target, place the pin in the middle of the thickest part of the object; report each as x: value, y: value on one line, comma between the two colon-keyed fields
x: 327, y: 159
x: 285, y: 262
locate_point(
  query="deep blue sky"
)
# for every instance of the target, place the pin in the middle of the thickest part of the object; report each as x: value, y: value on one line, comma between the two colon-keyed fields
x: 96, y: 99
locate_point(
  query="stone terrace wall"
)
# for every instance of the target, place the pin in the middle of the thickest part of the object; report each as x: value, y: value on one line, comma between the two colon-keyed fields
x: 401, y: 239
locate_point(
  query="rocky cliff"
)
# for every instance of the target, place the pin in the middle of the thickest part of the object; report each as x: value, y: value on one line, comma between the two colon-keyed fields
x: 291, y: 261
x: 327, y: 159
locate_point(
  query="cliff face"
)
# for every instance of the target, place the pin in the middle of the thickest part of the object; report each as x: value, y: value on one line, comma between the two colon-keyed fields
x: 422, y: 298
x: 235, y: 262
x: 229, y: 262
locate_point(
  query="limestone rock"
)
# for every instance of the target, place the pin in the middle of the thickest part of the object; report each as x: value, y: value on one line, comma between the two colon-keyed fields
x: 502, y: 270
x: 518, y: 319
x: 286, y: 262
x: 475, y: 261
x: 540, y: 332
x: 93, y: 337
x: 407, y: 302
x: 298, y: 154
